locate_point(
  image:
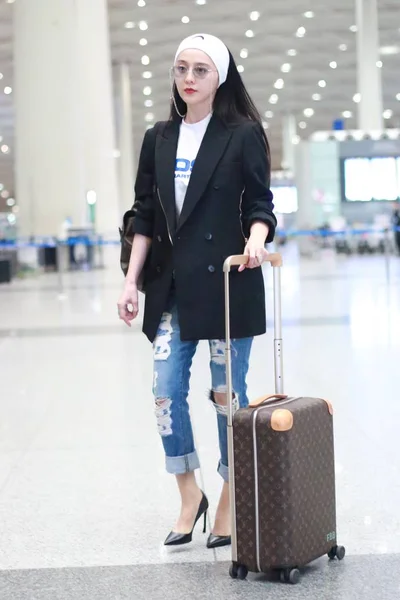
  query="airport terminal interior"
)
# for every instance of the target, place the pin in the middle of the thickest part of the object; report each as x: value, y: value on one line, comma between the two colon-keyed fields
x: 85, y: 499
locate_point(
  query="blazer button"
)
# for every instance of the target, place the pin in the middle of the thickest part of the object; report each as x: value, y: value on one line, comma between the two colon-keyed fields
x: 216, y: 187
x: 159, y: 238
x: 208, y: 236
x: 211, y: 268
x: 158, y: 269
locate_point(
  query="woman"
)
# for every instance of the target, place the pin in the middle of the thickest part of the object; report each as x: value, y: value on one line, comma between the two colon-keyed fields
x: 201, y: 194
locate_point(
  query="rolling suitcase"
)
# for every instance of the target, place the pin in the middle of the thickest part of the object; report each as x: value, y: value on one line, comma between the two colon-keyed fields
x: 281, y: 469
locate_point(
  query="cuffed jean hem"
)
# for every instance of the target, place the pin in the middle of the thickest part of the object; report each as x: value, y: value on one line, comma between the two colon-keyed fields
x: 223, y: 470
x: 178, y: 465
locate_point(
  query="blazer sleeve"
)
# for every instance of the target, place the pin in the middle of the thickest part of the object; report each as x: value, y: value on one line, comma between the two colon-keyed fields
x: 143, y: 207
x: 257, y: 197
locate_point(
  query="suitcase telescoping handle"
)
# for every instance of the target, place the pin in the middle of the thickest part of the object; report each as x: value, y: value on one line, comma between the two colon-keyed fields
x: 232, y: 261
x: 276, y: 262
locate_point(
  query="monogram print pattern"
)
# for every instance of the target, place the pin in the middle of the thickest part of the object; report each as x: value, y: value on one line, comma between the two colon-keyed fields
x: 296, y: 486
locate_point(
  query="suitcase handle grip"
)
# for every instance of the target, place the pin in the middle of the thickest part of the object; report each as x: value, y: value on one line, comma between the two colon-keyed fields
x: 241, y: 259
x: 267, y: 399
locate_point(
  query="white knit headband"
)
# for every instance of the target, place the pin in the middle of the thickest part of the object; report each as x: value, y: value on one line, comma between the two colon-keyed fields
x: 213, y: 47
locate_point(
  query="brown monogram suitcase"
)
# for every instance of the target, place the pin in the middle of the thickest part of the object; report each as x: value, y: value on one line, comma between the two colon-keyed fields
x: 282, y: 471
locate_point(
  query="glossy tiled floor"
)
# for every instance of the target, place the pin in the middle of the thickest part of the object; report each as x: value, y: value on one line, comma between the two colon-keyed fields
x: 85, y: 503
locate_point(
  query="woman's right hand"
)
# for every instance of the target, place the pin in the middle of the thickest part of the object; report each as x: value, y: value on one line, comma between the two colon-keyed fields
x: 128, y: 303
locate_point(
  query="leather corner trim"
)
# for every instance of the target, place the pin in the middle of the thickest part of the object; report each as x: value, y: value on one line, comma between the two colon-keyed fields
x: 330, y: 407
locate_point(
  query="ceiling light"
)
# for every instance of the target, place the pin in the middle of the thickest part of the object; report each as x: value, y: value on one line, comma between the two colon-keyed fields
x: 129, y: 25
x: 148, y: 103
x: 7, y: 90
x: 301, y: 32
x: 398, y: 97
x: 5, y: 194
x: 5, y: 149
x: 240, y: 68
x: 347, y: 114
x: 1, y: 187
x: 185, y: 20
x: 141, y: 3
x: 250, y: 33
x: 279, y: 84
x: 269, y: 114
x: 316, y: 97
x: 254, y: 16
x: 10, y: 1
x: 296, y: 139
x: 322, y: 83
x: 149, y: 117
x: 244, y: 53
x: 143, y: 42
x: 333, y: 64
x: 286, y: 68
x: 292, y: 52
x: 145, y: 60
x: 10, y: 202
x: 353, y: 28
x: 201, y: 2
x: 389, y: 50
x: 387, y: 114
x: 143, y: 26
x: 357, y: 98
x: 343, y: 47
x: 273, y: 99
x: 1, y: 75
x: 303, y: 125
x: 308, y: 112
x: 147, y: 91
x: 309, y: 14
x: 147, y: 75
x: 379, y: 64
x: 265, y: 125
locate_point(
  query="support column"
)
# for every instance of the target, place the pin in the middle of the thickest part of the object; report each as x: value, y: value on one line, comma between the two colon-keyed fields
x: 65, y: 138
x: 318, y: 183
x: 369, y: 78
x: 289, y: 131
x: 125, y: 133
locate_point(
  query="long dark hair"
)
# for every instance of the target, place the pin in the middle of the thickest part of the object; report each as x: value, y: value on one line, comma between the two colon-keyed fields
x: 232, y: 102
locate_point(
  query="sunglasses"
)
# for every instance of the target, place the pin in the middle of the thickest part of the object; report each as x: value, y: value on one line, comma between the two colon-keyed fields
x: 199, y: 72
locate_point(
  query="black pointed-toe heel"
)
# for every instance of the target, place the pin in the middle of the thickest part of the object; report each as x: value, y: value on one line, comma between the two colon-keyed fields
x: 218, y: 541
x: 178, y: 539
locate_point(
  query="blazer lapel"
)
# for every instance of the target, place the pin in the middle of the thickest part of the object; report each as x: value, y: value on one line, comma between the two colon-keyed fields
x: 165, y: 159
x: 211, y: 150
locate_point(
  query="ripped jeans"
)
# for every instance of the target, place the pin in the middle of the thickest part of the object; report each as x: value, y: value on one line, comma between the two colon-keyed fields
x: 172, y: 362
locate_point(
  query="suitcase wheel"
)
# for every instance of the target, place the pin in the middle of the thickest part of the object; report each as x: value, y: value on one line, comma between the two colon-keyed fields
x: 237, y: 571
x: 338, y: 552
x: 290, y: 576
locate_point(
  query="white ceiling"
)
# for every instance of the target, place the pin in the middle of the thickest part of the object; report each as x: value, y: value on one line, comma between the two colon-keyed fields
x: 274, y: 36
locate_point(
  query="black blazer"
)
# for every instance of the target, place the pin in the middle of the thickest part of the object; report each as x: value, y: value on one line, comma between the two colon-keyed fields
x: 228, y: 190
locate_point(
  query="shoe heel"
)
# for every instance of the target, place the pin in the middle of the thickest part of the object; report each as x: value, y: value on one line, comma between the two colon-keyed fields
x: 205, y: 522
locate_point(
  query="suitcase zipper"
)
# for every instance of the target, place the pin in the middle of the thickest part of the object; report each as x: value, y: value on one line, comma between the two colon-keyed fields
x: 256, y: 486
x: 165, y: 215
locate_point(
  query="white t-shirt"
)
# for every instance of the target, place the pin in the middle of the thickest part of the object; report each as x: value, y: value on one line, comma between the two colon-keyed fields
x: 190, y: 138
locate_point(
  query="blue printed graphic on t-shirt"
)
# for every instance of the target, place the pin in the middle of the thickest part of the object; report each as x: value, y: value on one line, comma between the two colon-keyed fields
x: 183, y: 168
